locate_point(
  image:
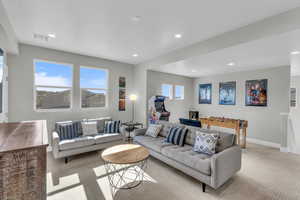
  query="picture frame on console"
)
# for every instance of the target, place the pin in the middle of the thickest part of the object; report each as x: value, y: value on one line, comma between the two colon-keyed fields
x: 205, y: 93
x: 256, y: 92
x: 227, y: 93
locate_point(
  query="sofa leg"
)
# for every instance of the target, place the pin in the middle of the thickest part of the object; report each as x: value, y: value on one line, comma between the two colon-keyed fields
x: 66, y: 160
x: 203, y: 187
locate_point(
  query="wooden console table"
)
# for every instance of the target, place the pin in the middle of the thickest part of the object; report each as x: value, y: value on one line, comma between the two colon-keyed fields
x: 23, y: 160
x: 235, y: 124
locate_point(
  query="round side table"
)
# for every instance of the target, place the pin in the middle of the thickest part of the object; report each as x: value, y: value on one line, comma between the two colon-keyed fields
x: 124, y: 165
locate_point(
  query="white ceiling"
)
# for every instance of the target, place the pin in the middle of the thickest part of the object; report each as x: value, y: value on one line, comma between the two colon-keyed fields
x: 104, y: 28
x: 260, y: 54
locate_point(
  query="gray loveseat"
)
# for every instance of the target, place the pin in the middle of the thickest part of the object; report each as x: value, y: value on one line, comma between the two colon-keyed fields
x: 212, y: 170
x: 82, y: 144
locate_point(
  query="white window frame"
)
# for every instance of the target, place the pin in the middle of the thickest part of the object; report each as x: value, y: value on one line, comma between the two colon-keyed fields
x: 44, y: 86
x: 175, y: 92
x: 106, y: 89
x: 171, y: 97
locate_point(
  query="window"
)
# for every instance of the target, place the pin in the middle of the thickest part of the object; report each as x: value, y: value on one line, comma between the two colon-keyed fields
x: 179, y: 92
x: 167, y: 91
x: 53, y: 85
x: 93, y: 84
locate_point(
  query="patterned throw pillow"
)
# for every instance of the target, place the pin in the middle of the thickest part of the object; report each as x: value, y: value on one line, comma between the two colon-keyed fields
x: 68, y: 130
x: 153, y: 130
x: 112, y: 126
x: 206, y: 143
x: 176, y: 136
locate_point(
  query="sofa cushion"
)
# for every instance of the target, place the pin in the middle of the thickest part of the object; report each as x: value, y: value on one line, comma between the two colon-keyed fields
x: 103, y: 138
x: 112, y: 126
x: 225, y: 139
x: 177, y: 136
x: 186, y: 156
x: 155, y: 144
x: 166, y: 127
x: 89, y: 128
x: 153, y: 130
x: 68, y: 129
x: 206, y: 143
x: 76, y: 143
x: 101, y: 123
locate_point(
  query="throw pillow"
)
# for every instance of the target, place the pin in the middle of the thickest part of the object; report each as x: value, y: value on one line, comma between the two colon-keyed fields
x: 177, y: 136
x: 89, y: 127
x: 68, y: 130
x: 112, y: 126
x: 206, y: 143
x: 101, y: 123
x: 153, y: 130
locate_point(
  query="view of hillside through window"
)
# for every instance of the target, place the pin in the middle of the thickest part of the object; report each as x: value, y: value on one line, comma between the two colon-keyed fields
x: 53, y: 84
x: 93, y: 84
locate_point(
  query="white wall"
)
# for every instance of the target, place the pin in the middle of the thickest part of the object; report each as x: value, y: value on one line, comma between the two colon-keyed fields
x: 140, y: 89
x: 8, y: 40
x: 21, y: 86
x: 264, y: 122
x: 178, y: 108
x: 294, y: 120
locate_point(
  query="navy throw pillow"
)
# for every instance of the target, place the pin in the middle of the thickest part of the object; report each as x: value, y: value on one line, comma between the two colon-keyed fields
x: 112, y: 126
x: 177, y: 136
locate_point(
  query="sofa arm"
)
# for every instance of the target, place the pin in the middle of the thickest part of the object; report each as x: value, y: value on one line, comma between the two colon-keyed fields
x: 55, y: 144
x: 140, y: 131
x: 225, y: 164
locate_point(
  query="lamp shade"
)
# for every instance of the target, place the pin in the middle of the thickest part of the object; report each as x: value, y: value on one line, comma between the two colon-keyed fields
x: 133, y: 97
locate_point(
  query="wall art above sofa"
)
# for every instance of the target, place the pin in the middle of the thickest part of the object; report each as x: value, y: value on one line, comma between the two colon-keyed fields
x: 256, y: 92
x: 227, y: 93
x: 205, y: 93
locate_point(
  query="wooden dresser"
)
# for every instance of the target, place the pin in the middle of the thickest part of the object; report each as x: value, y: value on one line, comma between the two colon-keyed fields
x: 23, y: 160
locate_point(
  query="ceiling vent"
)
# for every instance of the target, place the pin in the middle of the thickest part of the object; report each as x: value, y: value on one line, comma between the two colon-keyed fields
x: 41, y: 37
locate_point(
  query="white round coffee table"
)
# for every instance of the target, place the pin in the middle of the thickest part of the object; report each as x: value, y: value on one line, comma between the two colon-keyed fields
x: 124, y: 165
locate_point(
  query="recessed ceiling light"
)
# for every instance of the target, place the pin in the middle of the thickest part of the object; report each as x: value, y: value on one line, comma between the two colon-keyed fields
x: 51, y: 35
x: 295, y: 52
x: 231, y: 64
x: 136, y: 18
x: 135, y: 55
x: 194, y: 70
x: 178, y: 36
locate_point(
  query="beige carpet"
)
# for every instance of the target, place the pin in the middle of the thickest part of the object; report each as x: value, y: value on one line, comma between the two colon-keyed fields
x: 266, y: 174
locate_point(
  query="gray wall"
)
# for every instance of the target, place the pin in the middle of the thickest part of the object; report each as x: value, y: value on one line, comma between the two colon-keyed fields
x: 21, y: 86
x: 178, y: 108
x: 264, y: 122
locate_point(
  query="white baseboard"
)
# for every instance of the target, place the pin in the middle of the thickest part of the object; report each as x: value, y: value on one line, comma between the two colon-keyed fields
x: 284, y: 149
x: 263, y: 142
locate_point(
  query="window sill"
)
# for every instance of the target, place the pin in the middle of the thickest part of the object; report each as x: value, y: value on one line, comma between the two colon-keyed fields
x: 52, y: 110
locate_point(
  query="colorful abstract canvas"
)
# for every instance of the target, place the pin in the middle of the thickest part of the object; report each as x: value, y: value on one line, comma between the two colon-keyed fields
x: 122, y: 82
x: 227, y: 93
x: 122, y: 93
x: 205, y: 93
x: 257, y: 92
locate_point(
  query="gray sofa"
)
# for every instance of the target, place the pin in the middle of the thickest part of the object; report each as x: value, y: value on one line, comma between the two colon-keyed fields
x: 212, y: 170
x: 82, y: 144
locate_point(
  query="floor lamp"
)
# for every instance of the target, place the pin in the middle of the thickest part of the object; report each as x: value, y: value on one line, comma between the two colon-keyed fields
x: 133, y: 98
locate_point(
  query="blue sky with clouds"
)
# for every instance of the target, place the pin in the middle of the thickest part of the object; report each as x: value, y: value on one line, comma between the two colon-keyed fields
x: 53, y: 74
